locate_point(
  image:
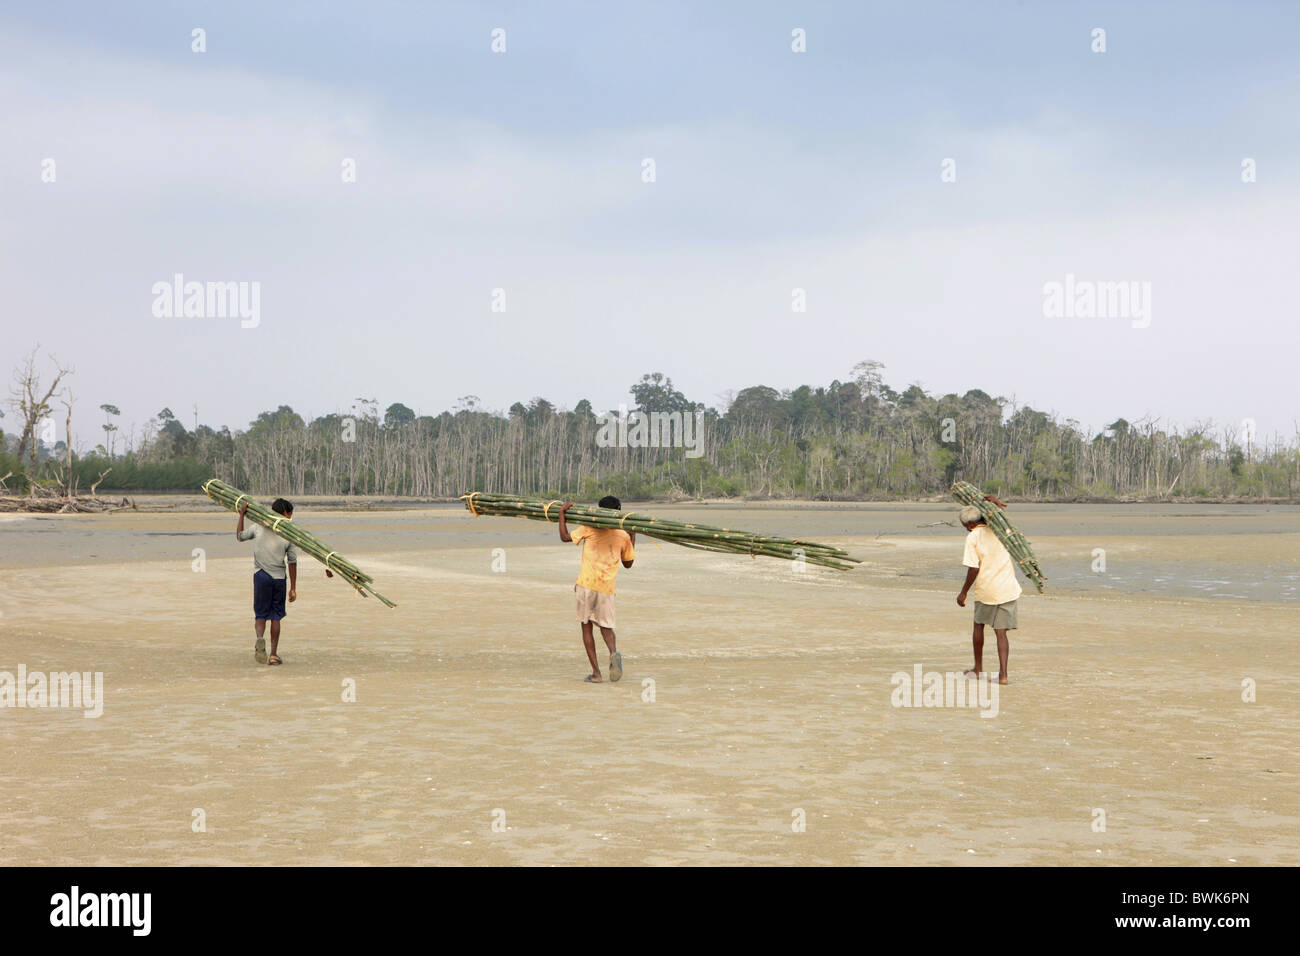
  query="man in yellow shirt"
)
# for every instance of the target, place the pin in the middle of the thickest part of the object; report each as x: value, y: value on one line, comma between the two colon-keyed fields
x: 992, y: 573
x: 603, y: 549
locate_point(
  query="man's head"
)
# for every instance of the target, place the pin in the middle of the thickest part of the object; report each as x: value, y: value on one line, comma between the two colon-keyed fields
x: 282, y: 506
x: 971, y: 518
x: 609, y: 501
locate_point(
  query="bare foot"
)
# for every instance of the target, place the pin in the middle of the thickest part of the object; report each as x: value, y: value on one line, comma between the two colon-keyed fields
x: 1002, y: 679
x: 971, y: 673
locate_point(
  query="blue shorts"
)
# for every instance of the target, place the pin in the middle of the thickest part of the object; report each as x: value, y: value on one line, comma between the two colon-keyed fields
x: 268, y: 596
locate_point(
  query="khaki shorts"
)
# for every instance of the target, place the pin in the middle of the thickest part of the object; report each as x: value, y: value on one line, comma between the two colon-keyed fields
x: 1002, y: 617
x: 595, y: 606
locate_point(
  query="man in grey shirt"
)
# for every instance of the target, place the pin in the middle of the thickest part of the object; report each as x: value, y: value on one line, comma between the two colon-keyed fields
x: 272, y: 557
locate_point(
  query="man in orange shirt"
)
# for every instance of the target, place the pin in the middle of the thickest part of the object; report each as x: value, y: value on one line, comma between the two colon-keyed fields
x: 605, y: 548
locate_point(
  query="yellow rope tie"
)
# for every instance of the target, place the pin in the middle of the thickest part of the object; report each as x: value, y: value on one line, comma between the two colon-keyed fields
x: 238, y: 500
x: 469, y: 500
x: 275, y: 525
x: 546, y: 508
x: 327, y: 559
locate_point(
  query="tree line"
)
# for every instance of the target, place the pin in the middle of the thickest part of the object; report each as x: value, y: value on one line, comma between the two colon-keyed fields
x: 851, y: 439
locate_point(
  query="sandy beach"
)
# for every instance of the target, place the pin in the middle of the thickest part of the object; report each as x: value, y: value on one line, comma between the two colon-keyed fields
x: 756, y: 699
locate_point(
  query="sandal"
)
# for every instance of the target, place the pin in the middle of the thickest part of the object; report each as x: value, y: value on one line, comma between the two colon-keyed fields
x: 274, y: 659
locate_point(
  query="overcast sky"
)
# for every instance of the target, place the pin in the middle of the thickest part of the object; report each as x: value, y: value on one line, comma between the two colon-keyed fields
x: 774, y: 170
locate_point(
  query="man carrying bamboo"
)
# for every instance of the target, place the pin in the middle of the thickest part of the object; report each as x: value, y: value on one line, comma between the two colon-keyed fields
x: 991, y: 572
x: 604, y: 549
x: 271, y: 556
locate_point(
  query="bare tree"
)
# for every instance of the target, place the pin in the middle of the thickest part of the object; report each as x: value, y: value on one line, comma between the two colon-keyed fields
x: 68, y: 400
x: 33, y: 406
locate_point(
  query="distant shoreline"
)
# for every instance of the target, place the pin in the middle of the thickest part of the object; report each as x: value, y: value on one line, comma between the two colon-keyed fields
x: 154, y: 502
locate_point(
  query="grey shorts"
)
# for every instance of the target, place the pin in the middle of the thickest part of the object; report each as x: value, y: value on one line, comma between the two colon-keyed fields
x: 1001, y: 617
x: 594, y: 606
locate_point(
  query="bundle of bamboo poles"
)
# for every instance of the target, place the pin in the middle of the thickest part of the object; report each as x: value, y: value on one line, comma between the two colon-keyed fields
x: 700, y: 536
x: 295, y: 534
x: 1015, y: 542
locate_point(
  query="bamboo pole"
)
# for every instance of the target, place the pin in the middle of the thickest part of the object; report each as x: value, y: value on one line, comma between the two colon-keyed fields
x: 1015, y: 542
x: 700, y: 536
x: 302, y: 539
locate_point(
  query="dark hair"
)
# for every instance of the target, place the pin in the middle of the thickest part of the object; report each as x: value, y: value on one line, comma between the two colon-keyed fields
x: 609, y: 501
x: 282, y: 506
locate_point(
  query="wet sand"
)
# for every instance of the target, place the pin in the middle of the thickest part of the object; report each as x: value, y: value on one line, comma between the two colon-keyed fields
x: 771, y: 695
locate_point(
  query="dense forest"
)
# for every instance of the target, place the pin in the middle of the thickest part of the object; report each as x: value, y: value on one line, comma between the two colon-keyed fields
x: 847, y: 440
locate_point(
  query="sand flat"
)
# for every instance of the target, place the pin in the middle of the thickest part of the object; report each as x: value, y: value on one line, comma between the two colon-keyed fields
x: 771, y: 696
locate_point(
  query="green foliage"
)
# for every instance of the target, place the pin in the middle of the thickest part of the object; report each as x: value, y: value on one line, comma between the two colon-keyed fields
x: 283, y: 418
x: 1236, y: 461
x: 655, y: 393
x: 851, y: 439
x: 130, y: 474
x: 397, y: 415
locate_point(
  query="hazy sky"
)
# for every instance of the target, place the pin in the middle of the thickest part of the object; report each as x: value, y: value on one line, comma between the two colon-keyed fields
x: 775, y: 170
